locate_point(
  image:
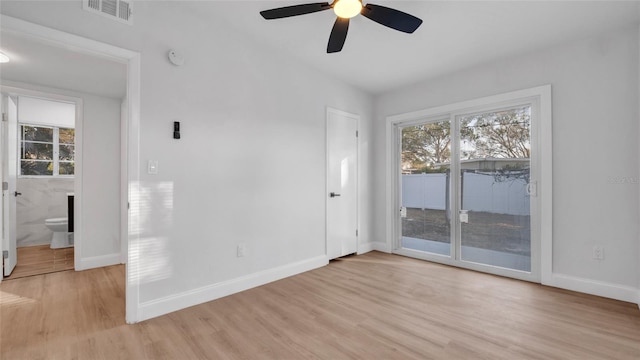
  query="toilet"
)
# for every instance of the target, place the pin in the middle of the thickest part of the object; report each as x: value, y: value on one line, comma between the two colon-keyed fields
x: 61, y: 238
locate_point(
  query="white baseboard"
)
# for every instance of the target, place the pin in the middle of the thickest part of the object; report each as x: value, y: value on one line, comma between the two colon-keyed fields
x: 365, y: 248
x: 154, y: 308
x: 594, y: 287
x: 383, y: 247
x: 98, y: 261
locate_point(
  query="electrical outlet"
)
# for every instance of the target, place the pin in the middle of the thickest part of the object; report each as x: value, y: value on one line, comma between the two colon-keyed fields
x: 598, y: 253
x: 241, y: 250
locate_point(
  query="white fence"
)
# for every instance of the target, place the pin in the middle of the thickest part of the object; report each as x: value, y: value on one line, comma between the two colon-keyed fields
x: 424, y: 191
x: 480, y: 192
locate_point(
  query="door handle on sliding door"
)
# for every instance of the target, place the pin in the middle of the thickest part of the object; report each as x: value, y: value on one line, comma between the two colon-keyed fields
x: 464, y: 216
x: 333, y: 194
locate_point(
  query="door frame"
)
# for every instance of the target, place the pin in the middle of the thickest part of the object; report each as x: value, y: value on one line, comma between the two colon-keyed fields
x: 5, y: 229
x: 542, y: 270
x: 3, y: 106
x: 356, y: 117
x: 130, y: 139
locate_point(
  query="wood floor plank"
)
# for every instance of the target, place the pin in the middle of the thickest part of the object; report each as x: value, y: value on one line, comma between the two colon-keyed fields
x: 373, y: 306
x: 41, y: 259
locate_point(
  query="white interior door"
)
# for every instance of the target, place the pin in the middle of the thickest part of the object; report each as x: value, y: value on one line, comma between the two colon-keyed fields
x: 5, y: 186
x: 9, y: 192
x: 342, y: 183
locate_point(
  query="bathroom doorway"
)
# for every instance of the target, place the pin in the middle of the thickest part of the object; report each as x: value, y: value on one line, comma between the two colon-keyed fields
x: 84, y: 159
x: 38, y: 162
x: 126, y: 146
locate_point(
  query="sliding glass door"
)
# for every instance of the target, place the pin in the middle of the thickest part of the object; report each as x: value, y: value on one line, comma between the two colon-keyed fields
x: 465, y: 189
x: 425, y: 168
x: 494, y: 167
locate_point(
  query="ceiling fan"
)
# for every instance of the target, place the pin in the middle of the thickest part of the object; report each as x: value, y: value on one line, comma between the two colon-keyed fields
x: 345, y: 10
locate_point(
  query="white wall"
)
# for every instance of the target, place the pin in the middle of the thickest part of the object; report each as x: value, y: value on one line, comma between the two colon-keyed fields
x: 101, y: 172
x: 101, y: 176
x: 250, y: 167
x: 42, y: 199
x: 595, y: 127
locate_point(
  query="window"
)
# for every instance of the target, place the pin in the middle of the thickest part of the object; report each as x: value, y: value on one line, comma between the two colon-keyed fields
x: 46, y: 138
x: 46, y: 150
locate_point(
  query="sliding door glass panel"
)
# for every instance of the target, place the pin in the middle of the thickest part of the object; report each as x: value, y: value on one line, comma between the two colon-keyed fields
x: 495, y: 220
x: 425, y: 163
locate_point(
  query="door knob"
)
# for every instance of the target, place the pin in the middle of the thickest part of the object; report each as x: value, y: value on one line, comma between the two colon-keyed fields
x: 17, y: 194
x: 333, y: 194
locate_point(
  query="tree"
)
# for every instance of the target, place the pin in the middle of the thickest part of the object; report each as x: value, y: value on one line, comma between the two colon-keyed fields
x: 501, y: 134
x: 426, y: 145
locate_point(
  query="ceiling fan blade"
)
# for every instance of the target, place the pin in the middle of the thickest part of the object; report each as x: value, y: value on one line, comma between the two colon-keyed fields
x: 294, y: 10
x: 392, y: 18
x: 338, y: 35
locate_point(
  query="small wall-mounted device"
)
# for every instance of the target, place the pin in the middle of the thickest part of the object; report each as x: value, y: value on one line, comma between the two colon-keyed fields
x: 175, y: 58
x: 176, y: 129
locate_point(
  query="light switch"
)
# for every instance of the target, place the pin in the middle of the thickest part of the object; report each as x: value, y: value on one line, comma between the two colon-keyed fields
x: 152, y: 167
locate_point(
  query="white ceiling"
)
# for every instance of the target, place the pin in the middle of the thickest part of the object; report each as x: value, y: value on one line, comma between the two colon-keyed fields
x: 454, y: 35
x: 39, y: 63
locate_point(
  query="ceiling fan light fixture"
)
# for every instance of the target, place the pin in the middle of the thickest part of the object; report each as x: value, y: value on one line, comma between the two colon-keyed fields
x: 4, y: 58
x: 347, y: 9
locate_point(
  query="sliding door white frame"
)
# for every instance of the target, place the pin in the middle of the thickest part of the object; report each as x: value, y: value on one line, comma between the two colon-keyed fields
x: 541, y: 167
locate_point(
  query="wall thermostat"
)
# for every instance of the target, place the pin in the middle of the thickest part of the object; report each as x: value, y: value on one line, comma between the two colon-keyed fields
x: 175, y: 58
x: 176, y: 130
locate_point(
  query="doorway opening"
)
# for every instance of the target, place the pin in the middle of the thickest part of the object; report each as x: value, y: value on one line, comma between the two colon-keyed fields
x: 38, y: 171
x: 127, y: 146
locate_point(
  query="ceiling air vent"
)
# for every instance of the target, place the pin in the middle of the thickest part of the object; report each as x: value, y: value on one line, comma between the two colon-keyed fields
x: 119, y: 10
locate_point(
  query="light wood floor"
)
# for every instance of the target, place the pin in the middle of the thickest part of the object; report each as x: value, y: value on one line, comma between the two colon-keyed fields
x: 373, y: 306
x: 41, y: 259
